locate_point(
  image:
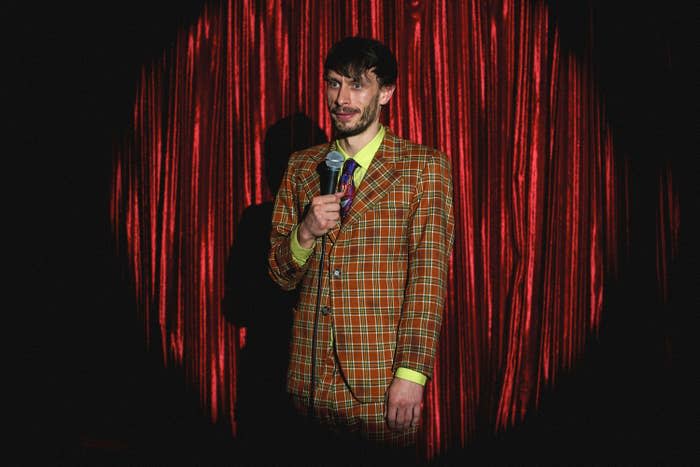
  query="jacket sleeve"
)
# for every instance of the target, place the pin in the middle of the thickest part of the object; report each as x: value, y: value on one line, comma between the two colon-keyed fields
x: 431, y: 235
x: 286, y: 214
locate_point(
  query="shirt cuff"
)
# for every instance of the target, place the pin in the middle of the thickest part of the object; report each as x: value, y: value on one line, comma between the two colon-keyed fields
x: 410, y: 375
x: 299, y: 253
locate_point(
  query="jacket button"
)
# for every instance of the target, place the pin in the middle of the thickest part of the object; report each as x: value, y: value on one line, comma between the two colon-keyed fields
x: 325, y: 310
x: 336, y: 273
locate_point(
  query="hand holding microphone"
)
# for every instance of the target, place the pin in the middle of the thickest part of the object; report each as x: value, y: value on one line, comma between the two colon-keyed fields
x: 324, y: 211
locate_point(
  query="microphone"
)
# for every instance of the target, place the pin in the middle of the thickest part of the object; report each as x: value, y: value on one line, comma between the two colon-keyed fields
x: 334, y: 162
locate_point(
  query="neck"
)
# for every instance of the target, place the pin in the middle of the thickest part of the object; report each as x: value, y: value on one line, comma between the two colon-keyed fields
x: 353, y: 144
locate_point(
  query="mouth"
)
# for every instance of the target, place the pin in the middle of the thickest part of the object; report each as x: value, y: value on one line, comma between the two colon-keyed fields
x: 344, y: 114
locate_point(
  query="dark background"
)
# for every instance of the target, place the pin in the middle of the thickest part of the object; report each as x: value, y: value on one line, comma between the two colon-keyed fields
x: 83, y: 389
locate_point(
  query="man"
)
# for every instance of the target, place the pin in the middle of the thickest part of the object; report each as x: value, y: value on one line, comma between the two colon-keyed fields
x: 389, y: 236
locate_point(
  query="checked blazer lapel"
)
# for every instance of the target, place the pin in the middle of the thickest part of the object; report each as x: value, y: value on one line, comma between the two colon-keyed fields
x: 379, y: 179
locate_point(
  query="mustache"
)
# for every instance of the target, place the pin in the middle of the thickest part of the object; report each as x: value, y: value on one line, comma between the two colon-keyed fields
x: 344, y: 110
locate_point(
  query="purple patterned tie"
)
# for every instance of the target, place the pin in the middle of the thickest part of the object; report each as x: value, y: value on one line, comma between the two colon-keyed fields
x: 348, y: 185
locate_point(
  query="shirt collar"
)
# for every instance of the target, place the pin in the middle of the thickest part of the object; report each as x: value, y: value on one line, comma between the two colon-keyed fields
x: 365, y: 155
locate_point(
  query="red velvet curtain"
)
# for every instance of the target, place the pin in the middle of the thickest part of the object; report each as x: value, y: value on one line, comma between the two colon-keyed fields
x: 540, y: 197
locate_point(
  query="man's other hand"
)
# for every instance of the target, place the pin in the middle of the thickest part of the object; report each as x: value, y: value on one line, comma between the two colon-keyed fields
x: 403, y: 405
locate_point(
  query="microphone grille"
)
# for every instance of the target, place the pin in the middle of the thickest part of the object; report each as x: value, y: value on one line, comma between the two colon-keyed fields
x: 334, y: 160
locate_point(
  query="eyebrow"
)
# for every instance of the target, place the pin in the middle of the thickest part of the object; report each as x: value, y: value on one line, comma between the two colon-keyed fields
x: 360, y: 79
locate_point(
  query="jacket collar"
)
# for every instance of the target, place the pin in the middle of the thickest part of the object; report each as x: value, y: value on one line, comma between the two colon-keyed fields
x: 380, y: 177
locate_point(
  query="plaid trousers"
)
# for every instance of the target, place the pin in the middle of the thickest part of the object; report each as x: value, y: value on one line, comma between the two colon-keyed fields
x: 338, y: 411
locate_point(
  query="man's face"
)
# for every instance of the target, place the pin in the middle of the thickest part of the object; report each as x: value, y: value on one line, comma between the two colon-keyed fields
x: 354, y: 103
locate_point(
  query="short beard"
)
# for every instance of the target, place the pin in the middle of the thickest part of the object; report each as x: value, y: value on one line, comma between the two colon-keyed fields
x: 366, y: 119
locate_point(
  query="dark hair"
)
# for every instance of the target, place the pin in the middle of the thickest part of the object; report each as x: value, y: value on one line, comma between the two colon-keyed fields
x: 353, y: 56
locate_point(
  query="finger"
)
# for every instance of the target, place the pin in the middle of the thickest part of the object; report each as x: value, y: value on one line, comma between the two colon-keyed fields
x: 391, y: 417
x: 332, y: 207
x: 327, y: 212
x: 331, y: 216
x: 408, y: 418
x: 415, y: 420
x: 408, y: 422
x: 324, y: 209
x: 401, y: 418
x: 334, y: 198
x: 325, y: 199
x: 337, y: 196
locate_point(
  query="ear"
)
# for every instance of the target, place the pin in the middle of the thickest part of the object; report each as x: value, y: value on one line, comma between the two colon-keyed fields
x: 385, y: 93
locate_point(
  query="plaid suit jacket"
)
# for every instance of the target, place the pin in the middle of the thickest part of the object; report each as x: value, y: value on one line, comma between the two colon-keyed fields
x: 385, y: 277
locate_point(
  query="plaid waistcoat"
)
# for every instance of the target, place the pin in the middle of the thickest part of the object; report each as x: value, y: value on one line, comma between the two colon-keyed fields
x: 385, y: 277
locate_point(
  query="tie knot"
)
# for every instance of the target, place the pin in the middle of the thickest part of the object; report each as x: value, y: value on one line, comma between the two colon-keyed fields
x: 350, y: 166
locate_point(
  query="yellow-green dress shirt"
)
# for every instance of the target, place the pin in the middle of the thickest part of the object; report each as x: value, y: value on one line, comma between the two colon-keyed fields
x: 300, y: 254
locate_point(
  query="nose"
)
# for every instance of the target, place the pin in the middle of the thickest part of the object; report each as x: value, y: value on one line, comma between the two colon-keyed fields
x: 343, y: 95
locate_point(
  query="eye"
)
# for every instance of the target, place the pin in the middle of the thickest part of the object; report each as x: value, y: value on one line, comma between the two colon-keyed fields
x: 333, y: 84
x: 356, y: 85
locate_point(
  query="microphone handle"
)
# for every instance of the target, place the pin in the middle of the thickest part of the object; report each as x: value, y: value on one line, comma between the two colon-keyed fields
x: 332, y: 183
